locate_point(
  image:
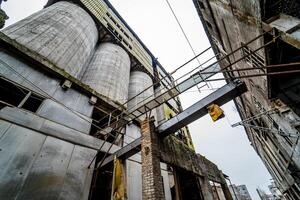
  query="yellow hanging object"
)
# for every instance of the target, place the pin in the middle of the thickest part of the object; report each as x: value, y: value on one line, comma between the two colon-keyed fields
x: 215, y: 112
x: 118, y: 192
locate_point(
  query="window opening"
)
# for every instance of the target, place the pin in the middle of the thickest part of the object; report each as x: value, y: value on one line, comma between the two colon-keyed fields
x: 16, y: 96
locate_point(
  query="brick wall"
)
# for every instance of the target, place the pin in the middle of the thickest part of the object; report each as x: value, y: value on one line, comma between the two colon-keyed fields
x: 151, y: 172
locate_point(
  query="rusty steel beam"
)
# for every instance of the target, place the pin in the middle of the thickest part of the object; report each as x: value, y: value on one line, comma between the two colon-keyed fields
x: 194, y: 112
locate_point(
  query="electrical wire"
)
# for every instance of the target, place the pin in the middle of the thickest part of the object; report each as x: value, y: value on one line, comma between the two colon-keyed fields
x: 185, y: 35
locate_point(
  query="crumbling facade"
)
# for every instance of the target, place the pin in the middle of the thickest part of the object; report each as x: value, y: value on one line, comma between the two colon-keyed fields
x: 68, y: 74
x: 259, y: 42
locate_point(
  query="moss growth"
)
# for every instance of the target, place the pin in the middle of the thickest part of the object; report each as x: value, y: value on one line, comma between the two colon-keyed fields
x: 3, y: 18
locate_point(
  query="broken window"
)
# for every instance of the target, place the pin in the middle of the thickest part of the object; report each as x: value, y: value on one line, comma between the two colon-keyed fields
x: 103, y: 124
x: 14, y: 95
x: 102, y: 181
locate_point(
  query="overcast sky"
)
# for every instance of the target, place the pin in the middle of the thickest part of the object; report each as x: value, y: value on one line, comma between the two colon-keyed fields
x: 152, y: 20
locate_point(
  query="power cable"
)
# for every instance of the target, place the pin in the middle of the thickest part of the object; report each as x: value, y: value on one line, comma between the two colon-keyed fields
x: 184, y: 34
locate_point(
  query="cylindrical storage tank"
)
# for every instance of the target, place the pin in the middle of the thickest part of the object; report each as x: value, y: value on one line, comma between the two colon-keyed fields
x: 63, y: 33
x: 108, y: 72
x: 139, y: 81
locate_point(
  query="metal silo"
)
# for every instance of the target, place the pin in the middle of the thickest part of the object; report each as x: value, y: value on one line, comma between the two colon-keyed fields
x: 108, y: 72
x: 62, y: 33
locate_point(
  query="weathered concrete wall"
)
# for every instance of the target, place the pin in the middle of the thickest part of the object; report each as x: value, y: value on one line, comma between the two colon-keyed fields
x: 47, y: 153
x: 133, y: 166
x: 174, y: 152
x: 62, y: 33
x: 43, y: 159
x: 229, y: 24
x: 76, y: 105
x: 37, y: 166
x: 60, y: 114
x: 166, y: 181
x: 108, y: 72
x: 11, y: 67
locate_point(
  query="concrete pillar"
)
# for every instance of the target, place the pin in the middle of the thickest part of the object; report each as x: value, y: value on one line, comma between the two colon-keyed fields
x: 206, y: 188
x: 151, y: 173
x: 226, y: 191
x: 177, y: 186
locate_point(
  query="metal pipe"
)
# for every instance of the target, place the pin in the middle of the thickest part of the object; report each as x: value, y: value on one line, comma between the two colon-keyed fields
x: 25, y: 99
x: 256, y: 75
x: 251, y: 68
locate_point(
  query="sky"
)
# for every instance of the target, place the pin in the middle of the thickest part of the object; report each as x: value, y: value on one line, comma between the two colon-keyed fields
x: 153, y: 22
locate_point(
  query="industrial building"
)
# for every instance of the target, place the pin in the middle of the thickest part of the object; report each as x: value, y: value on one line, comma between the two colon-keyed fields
x: 276, y: 194
x: 264, y: 196
x: 75, y: 88
x: 259, y: 41
x: 239, y: 192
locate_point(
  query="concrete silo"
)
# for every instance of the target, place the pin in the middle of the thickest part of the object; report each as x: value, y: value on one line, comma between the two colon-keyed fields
x: 62, y: 33
x: 108, y: 72
x: 138, y: 82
